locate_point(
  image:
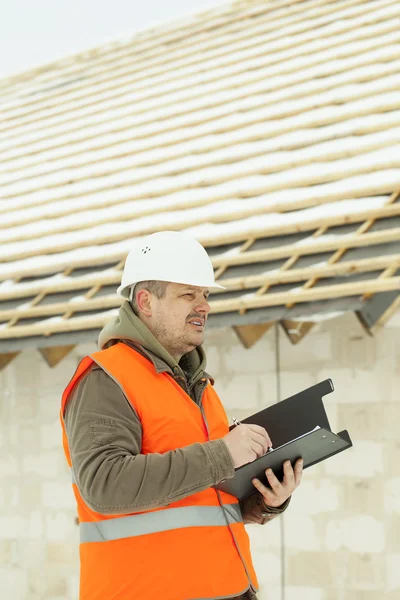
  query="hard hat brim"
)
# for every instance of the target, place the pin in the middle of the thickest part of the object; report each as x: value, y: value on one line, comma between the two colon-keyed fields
x: 123, y: 291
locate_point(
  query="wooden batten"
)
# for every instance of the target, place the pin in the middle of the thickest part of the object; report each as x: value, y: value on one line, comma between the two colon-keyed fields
x: 6, y: 358
x: 296, y: 330
x: 55, y: 354
x: 250, y: 334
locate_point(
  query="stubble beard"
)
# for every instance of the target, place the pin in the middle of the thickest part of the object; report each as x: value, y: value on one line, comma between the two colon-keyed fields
x: 176, y: 344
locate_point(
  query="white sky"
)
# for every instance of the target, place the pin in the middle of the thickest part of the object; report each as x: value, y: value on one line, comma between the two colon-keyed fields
x: 34, y: 32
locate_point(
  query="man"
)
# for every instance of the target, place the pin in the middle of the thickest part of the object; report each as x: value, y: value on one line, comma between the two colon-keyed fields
x: 147, y: 438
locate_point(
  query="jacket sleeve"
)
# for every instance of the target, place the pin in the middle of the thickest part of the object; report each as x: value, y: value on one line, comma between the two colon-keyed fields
x: 254, y: 509
x: 113, y: 477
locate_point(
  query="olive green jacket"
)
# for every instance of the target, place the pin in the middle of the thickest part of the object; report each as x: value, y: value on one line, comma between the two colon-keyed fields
x: 104, y: 436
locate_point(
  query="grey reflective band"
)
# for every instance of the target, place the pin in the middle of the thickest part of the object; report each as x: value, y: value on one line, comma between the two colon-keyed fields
x: 162, y: 520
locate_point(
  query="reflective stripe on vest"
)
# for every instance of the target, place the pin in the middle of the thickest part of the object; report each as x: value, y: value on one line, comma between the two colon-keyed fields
x: 155, y: 522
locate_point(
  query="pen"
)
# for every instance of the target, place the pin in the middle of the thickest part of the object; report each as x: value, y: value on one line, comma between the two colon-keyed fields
x: 236, y: 423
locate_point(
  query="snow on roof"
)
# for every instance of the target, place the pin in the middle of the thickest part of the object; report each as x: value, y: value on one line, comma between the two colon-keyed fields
x: 269, y: 132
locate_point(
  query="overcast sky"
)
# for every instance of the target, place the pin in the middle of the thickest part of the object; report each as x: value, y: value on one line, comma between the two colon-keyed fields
x: 34, y: 32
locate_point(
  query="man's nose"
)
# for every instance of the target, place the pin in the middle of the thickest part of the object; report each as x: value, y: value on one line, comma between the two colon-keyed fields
x: 203, y: 307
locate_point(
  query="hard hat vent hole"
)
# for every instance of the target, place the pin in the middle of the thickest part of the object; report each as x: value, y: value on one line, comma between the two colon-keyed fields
x: 146, y: 249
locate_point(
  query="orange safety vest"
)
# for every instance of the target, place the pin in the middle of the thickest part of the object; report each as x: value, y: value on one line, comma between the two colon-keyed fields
x: 193, y: 549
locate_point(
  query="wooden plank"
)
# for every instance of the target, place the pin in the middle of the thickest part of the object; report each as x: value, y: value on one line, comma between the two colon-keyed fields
x: 238, y: 283
x: 221, y: 270
x: 6, y: 358
x: 94, y: 153
x: 67, y: 243
x: 266, y: 284
x: 383, y: 212
x: 157, y: 138
x: 150, y: 44
x: 296, y: 330
x: 215, y: 176
x: 250, y: 334
x: 59, y: 308
x: 285, y: 251
x: 111, y: 77
x: 307, y: 249
x: 158, y: 165
x: 322, y: 293
x: 53, y: 355
x: 297, y: 158
x: 338, y: 255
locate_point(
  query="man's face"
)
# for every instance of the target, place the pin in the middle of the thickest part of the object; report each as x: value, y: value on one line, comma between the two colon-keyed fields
x: 178, y: 320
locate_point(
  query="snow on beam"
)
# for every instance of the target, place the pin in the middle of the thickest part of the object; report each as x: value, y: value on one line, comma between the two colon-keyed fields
x: 250, y: 334
x: 296, y: 330
x: 55, y: 354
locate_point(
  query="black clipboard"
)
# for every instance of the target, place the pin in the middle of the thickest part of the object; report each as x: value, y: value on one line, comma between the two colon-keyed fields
x: 299, y: 428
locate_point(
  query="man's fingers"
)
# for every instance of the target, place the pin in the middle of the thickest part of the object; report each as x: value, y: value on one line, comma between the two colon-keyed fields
x: 288, y: 474
x: 258, y: 448
x: 273, y: 480
x: 261, y: 431
x: 298, y: 471
x: 256, y: 437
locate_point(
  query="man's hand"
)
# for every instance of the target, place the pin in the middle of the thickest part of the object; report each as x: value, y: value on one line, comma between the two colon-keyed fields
x: 280, y: 492
x: 246, y: 443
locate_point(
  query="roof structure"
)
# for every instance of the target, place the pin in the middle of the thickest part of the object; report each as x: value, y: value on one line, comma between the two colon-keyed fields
x: 269, y: 130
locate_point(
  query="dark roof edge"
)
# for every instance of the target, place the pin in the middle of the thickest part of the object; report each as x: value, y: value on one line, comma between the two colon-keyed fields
x: 57, y: 339
x: 216, y: 321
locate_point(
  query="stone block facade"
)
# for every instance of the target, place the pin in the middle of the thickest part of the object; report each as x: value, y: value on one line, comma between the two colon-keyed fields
x: 340, y: 538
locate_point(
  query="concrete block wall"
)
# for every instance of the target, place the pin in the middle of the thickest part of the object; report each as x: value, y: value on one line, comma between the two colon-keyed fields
x: 340, y: 538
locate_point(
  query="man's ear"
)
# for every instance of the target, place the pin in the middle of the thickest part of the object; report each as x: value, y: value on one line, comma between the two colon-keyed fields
x: 143, y: 302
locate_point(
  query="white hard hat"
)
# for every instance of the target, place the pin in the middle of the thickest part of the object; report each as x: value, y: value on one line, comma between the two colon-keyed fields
x: 168, y: 256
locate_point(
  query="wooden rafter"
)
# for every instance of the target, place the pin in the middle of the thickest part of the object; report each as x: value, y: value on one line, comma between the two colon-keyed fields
x: 88, y: 302
x: 244, y: 248
x: 336, y: 257
x: 66, y: 243
x: 6, y: 358
x: 250, y: 334
x: 217, y: 306
x: 148, y: 47
x: 248, y: 257
x: 298, y: 159
x: 321, y: 293
x: 58, y: 158
x: 286, y: 266
x: 368, y: 239
x: 53, y: 355
x: 304, y: 249
x: 267, y: 19
x: 93, y: 291
x: 296, y: 330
